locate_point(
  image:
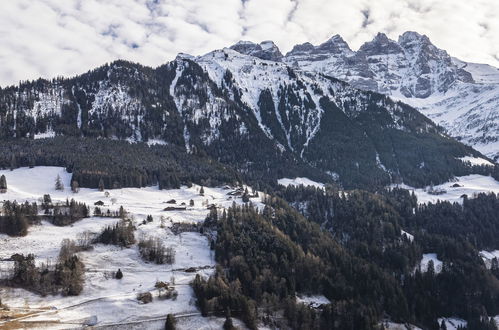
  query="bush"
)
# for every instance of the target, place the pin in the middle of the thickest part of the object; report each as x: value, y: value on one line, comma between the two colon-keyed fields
x: 165, y: 291
x: 144, y: 297
x: 84, y: 240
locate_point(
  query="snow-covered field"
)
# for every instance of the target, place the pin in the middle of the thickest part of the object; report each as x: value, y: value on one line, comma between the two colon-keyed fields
x: 452, y: 323
x: 454, y: 190
x: 476, y: 161
x: 487, y: 257
x: 409, y: 236
x: 299, y: 181
x: 113, y: 301
x: 315, y: 301
x: 399, y: 326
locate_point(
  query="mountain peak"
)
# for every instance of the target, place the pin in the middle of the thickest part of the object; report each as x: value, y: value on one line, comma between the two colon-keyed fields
x: 381, y: 44
x: 336, y: 39
x: 410, y: 37
x: 266, y: 50
x: 301, y: 49
x: 381, y: 37
x: 184, y: 56
x: 335, y: 44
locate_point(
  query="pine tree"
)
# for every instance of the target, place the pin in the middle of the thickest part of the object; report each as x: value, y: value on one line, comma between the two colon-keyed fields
x: 122, y: 212
x: 58, y: 183
x: 3, y: 184
x: 13, y: 162
x: 228, y: 325
x: 170, y: 323
x: 101, y: 185
x: 201, y: 191
x: 430, y: 270
x: 118, y: 275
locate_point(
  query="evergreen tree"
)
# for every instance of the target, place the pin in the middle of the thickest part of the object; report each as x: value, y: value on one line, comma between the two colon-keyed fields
x: 13, y: 162
x: 101, y: 185
x: 201, y: 191
x: 430, y: 270
x: 118, y: 275
x: 3, y: 184
x: 122, y: 212
x: 245, y: 198
x: 228, y: 325
x: 58, y: 183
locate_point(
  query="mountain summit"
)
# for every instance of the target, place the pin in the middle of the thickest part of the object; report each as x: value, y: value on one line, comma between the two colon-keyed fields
x: 266, y: 50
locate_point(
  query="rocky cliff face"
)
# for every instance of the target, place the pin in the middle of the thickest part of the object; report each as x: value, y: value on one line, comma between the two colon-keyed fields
x: 460, y: 96
x: 412, y: 66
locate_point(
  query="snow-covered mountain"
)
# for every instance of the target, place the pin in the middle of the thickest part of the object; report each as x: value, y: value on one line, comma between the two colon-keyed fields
x: 247, y: 106
x: 462, y: 97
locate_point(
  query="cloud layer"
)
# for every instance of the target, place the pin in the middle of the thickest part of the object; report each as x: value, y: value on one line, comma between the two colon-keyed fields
x: 47, y: 38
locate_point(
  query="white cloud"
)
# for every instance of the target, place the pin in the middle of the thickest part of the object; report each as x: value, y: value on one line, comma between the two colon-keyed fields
x: 66, y: 37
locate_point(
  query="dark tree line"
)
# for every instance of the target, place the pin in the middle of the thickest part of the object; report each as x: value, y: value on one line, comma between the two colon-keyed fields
x: 16, y: 218
x: 120, y: 234
x: 108, y: 164
x: 68, y: 213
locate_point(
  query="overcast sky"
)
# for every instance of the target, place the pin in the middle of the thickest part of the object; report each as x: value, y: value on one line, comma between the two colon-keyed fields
x: 46, y: 38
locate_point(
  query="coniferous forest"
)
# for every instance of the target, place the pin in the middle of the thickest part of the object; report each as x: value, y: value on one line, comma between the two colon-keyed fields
x: 350, y: 248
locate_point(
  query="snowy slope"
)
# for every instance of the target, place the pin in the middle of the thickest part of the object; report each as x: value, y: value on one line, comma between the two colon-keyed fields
x: 453, y: 191
x: 462, y: 97
x: 113, y: 301
x: 468, y: 111
x: 300, y: 181
x: 295, y: 94
x: 252, y: 76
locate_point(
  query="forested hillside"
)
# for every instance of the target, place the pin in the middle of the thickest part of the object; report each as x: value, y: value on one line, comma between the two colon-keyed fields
x: 352, y: 250
x: 262, y: 118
